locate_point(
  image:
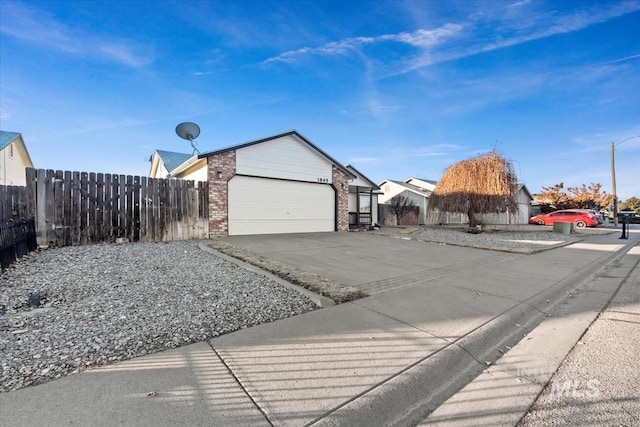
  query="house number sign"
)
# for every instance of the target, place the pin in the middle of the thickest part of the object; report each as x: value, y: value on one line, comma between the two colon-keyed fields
x: 323, y: 180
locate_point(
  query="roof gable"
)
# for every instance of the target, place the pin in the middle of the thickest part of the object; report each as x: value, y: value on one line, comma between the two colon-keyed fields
x: 524, y: 188
x: 361, y: 176
x: 412, y: 188
x: 427, y: 184
x: 294, y: 133
x: 7, y: 138
x: 171, y: 159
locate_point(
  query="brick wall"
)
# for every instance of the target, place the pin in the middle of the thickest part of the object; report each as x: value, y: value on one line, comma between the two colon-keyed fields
x: 219, y: 190
x: 341, y: 185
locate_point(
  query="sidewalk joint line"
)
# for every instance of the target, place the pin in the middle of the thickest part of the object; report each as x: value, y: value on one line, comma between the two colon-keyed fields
x: 454, y: 342
x: 237, y: 380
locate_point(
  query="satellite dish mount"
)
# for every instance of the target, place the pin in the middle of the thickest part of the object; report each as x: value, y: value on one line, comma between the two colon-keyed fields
x: 189, y: 131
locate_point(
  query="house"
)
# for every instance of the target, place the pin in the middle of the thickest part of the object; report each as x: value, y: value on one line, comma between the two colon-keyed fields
x: 521, y: 214
x: 363, y: 200
x: 279, y: 184
x: 169, y: 164
x: 425, y: 184
x: 14, y: 159
x: 418, y: 194
x: 519, y: 217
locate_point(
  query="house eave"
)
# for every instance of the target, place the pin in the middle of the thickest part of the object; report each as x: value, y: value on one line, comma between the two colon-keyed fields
x: 271, y: 138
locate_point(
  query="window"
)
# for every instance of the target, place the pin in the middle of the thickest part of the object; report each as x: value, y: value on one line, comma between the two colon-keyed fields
x: 365, y: 202
x: 11, y: 150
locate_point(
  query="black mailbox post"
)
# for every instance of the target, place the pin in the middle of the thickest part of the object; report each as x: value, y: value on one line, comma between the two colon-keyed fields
x: 625, y: 217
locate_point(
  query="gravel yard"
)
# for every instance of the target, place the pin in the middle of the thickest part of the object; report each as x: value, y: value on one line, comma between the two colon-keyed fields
x: 504, y: 240
x: 68, y: 309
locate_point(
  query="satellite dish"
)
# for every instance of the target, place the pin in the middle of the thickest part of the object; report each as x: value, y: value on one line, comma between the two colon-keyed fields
x: 189, y: 131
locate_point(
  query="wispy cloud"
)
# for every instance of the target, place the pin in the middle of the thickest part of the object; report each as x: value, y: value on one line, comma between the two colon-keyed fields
x: 422, y: 39
x: 601, y: 141
x: 454, y: 41
x: 436, y: 150
x: 626, y: 58
x: 520, y: 3
x: 34, y: 26
x: 513, y: 33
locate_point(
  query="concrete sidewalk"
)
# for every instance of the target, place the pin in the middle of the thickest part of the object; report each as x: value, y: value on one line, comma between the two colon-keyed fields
x: 426, y: 331
x: 599, y: 382
x: 596, y: 385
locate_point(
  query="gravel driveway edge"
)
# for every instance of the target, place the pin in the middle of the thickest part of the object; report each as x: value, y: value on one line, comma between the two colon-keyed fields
x: 332, y: 289
x: 319, y: 300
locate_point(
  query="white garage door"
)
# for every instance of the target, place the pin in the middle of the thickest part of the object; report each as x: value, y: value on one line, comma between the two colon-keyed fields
x: 271, y: 206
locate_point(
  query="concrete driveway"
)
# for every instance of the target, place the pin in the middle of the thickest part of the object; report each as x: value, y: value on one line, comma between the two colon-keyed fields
x: 388, y: 359
x: 367, y: 261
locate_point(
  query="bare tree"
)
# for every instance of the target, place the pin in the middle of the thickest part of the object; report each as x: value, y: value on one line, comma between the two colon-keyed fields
x: 400, y: 205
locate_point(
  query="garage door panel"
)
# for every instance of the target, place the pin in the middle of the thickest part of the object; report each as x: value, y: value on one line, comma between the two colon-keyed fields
x: 268, y: 206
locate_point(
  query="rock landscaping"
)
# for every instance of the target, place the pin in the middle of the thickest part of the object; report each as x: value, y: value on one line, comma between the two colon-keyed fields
x: 68, y: 309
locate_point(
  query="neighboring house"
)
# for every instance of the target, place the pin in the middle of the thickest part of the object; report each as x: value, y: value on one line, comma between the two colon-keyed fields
x: 280, y: 184
x: 425, y: 184
x: 417, y: 194
x: 14, y: 159
x: 363, y: 200
x: 519, y: 217
x: 169, y: 164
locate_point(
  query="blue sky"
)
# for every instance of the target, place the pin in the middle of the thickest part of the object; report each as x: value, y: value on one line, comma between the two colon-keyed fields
x: 397, y: 88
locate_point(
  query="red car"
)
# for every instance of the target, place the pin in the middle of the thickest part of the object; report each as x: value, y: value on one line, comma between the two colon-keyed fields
x: 580, y: 218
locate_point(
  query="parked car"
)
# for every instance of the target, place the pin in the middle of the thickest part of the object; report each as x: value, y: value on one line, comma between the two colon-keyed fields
x: 581, y: 218
x: 595, y: 212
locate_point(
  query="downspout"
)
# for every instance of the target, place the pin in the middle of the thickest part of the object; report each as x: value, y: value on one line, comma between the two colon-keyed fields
x: 357, y: 205
x: 371, y: 206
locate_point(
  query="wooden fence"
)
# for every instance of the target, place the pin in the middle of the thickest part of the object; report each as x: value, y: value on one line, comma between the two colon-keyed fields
x: 387, y: 217
x: 78, y: 208
x: 17, y: 238
x: 13, y: 203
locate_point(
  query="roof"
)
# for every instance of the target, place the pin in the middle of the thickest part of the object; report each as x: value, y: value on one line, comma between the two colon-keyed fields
x: 171, y: 159
x: 271, y: 138
x: 524, y: 187
x: 361, y: 175
x: 413, y: 188
x: 428, y: 181
x: 7, y: 138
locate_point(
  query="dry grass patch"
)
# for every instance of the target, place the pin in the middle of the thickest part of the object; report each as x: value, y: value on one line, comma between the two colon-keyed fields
x: 313, y: 282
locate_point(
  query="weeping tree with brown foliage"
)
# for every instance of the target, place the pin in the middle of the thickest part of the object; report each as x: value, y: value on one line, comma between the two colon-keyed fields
x: 482, y: 184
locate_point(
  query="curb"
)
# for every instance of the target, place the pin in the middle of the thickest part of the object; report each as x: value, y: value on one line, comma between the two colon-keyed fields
x: 319, y: 300
x: 504, y: 393
x: 419, y: 389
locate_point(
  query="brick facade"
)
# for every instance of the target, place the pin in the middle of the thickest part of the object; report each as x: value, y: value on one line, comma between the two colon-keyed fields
x: 224, y: 163
x: 341, y: 185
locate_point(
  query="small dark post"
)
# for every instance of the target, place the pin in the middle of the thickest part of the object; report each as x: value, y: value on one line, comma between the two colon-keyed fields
x: 625, y: 225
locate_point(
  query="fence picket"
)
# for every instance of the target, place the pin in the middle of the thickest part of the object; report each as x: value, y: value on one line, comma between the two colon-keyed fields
x: 67, y: 209
x: 99, y: 207
x: 58, y: 192
x: 143, y: 208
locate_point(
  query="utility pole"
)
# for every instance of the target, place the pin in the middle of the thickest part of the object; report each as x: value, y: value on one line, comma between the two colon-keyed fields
x: 613, y: 178
x: 613, y: 186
